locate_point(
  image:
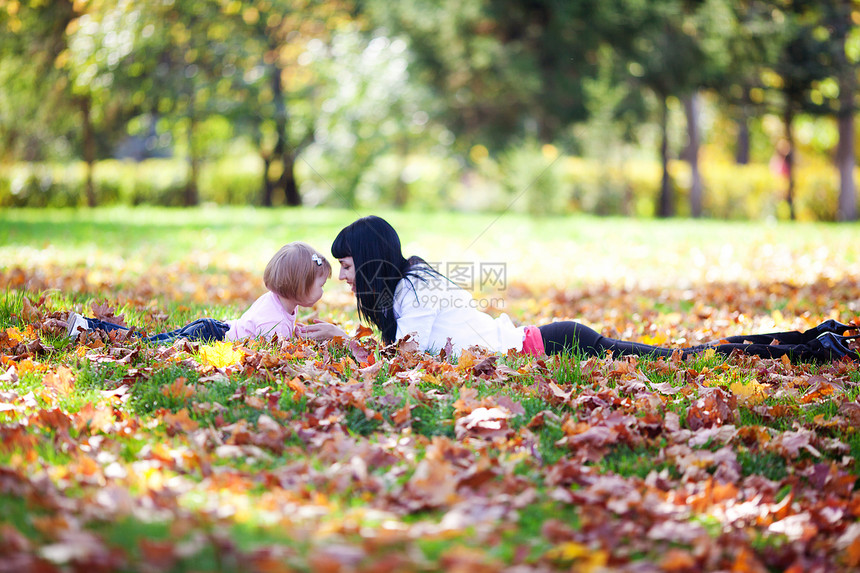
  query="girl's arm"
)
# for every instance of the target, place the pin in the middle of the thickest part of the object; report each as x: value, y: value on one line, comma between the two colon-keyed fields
x: 319, y: 330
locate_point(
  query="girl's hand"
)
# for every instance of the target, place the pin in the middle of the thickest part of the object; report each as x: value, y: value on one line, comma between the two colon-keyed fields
x: 320, y: 330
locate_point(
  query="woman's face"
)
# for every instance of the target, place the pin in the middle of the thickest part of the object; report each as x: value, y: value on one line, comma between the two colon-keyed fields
x: 347, y: 272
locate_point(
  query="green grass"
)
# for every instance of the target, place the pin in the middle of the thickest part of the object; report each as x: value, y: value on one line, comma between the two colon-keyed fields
x: 556, y: 250
x: 333, y: 479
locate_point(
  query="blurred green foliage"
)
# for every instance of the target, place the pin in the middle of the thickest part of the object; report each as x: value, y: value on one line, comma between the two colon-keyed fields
x: 434, y: 103
x: 527, y: 179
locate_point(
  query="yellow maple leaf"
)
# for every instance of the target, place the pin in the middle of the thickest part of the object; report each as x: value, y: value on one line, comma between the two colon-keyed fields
x: 708, y: 354
x: 466, y: 360
x: 656, y: 339
x: 586, y: 559
x: 220, y: 354
x: 750, y: 393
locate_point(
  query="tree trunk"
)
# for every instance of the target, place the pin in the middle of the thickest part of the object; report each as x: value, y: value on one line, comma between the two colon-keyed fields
x: 788, y: 119
x: 89, y: 142
x: 288, y: 181
x: 691, y: 108
x: 845, y: 160
x: 742, y: 153
x: 665, y: 207
x: 266, y: 197
x: 401, y: 189
x: 191, y: 194
x: 742, y: 150
x: 282, y: 152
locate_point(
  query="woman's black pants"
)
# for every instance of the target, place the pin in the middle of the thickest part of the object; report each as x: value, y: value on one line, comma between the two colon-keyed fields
x: 569, y: 336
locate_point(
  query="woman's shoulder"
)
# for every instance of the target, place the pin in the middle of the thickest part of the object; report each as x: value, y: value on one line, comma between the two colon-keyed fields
x: 420, y: 276
x: 424, y: 283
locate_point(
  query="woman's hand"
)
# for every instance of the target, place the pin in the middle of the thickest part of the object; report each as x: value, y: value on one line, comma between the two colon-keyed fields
x: 320, y: 330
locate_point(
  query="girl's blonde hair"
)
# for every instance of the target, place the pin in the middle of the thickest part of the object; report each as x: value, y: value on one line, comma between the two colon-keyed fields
x: 294, y: 269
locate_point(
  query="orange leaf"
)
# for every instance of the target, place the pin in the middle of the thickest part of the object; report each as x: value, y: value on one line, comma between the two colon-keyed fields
x: 677, y: 560
x: 53, y: 419
x: 817, y: 392
x: 63, y: 381
x: 178, y: 389
x: 852, y: 553
x: 297, y: 386
x: 179, y: 421
x: 362, y: 332
x: 746, y: 562
x: 466, y: 361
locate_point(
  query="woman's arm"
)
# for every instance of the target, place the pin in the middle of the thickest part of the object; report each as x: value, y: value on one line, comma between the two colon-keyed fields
x: 416, y: 306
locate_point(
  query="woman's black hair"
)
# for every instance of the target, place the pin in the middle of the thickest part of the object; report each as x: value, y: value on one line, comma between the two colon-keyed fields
x: 379, y: 263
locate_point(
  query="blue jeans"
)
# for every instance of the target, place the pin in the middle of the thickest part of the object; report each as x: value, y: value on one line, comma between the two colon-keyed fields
x: 205, y: 329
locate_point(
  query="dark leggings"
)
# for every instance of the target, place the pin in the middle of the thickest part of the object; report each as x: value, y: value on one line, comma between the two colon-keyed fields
x: 204, y: 329
x: 569, y: 336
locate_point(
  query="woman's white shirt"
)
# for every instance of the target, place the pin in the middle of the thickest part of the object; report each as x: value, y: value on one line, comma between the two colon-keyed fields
x: 434, y: 309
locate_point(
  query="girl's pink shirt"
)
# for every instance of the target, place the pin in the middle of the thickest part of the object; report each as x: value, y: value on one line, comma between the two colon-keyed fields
x: 266, y: 317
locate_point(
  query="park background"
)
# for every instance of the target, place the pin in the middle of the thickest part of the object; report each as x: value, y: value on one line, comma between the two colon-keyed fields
x: 725, y: 109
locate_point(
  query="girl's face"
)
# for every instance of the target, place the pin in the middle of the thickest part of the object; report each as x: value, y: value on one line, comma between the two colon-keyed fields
x: 315, y: 293
x: 347, y: 272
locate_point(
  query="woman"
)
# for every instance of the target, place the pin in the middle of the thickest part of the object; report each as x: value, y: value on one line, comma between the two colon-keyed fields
x: 406, y: 296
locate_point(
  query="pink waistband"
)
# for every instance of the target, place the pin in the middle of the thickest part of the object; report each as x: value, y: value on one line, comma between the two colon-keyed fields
x: 533, y: 342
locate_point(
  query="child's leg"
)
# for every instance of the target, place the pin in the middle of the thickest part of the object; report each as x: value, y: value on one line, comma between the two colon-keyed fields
x: 204, y: 329
x: 98, y: 324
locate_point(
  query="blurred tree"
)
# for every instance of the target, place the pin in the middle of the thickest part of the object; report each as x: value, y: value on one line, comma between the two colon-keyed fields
x: 369, y: 108
x: 96, y: 43
x: 35, y: 90
x: 503, y: 69
x: 660, y: 44
x: 179, y: 49
x: 275, y: 89
x: 804, y: 62
x: 840, y: 19
x: 753, y: 37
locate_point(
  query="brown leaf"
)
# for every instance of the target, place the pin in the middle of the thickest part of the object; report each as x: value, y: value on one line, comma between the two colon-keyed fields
x: 677, y: 561
x: 402, y: 416
x: 103, y: 311
x: 715, y: 407
x: 790, y: 443
x: 485, y: 368
x: 180, y: 422
x: 360, y: 353
x: 54, y: 419
x: 483, y: 422
x: 29, y: 313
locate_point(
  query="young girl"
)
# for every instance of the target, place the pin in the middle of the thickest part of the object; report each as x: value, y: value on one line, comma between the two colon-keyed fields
x: 294, y: 277
x: 402, y: 296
